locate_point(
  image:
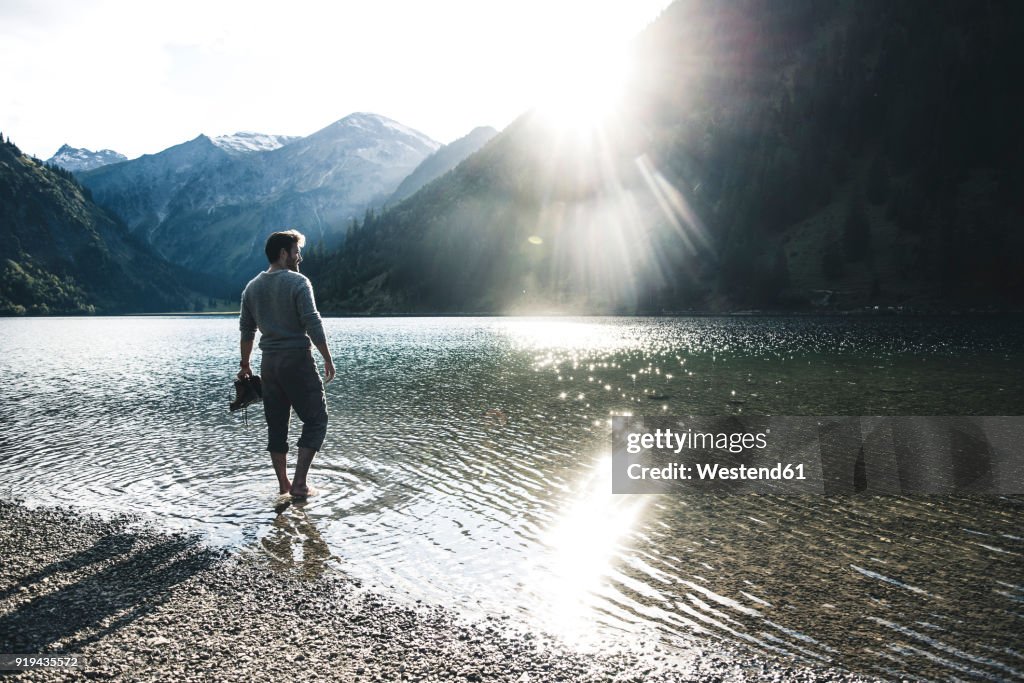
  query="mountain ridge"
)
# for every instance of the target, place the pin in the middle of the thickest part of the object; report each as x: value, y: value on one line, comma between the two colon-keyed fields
x: 244, y: 142
x: 443, y: 160
x: 76, y: 159
x: 197, y: 192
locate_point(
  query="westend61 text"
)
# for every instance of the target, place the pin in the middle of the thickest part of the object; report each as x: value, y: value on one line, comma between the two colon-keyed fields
x: 714, y: 472
x: 666, y: 439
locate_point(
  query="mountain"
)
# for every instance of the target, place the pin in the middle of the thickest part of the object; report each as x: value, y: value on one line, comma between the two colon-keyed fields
x: 245, y: 142
x: 77, y: 159
x: 442, y: 161
x: 790, y: 155
x: 209, y: 207
x: 141, y: 191
x: 66, y: 255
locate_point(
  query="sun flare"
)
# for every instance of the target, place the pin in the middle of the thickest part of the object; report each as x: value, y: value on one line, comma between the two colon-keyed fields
x: 585, y: 90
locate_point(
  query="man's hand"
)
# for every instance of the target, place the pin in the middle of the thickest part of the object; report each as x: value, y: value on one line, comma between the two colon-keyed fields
x: 325, y: 353
x: 246, y: 371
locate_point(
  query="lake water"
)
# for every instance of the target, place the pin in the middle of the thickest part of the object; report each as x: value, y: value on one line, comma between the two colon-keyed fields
x: 467, y: 463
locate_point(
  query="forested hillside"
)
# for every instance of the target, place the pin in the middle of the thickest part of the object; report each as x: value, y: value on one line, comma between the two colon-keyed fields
x: 785, y: 155
x: 64, y: 254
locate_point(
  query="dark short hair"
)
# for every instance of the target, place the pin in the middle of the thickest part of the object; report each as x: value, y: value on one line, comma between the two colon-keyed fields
x: 283, y: 240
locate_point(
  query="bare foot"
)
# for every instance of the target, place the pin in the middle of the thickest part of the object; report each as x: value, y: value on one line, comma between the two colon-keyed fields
x: 284, y: 488
x: 302, y: 491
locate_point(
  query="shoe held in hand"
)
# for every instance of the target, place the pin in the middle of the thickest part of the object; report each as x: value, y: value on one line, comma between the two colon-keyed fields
x: 248, y: 390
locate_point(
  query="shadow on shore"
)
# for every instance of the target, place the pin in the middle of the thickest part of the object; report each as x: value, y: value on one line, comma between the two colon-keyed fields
x: 111, y: 585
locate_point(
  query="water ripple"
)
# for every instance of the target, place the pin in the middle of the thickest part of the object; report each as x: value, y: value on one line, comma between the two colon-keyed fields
x: 466, y: 463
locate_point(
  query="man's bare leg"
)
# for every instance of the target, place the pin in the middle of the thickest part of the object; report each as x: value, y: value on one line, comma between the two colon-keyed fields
x: 299, y: 488
x: 280, y: 461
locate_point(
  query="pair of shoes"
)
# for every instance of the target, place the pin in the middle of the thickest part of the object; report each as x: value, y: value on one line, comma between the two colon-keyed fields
x: 248, y: 390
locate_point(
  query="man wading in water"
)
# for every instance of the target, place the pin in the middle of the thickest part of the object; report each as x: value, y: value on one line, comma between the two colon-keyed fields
x: 279, y: 302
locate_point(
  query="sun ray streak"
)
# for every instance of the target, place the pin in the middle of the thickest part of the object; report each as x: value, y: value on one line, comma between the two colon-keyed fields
x: 674, y: 206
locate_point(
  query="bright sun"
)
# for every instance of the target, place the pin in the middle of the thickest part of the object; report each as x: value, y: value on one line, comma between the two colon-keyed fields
x: 585, y: 90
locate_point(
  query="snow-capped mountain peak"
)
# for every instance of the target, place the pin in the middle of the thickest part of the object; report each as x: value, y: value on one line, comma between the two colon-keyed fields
x: 76, y: 159
x: 245, y: 142
x: 375, y: 123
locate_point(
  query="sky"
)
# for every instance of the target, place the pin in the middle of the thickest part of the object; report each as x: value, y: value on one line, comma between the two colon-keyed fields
x: 138, y: 77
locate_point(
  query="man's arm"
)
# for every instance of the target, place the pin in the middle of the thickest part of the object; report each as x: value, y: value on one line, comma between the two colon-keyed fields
x: 314, y: 326
x: 247, y: 326
x: 246, y: 346
x: 328, y: 361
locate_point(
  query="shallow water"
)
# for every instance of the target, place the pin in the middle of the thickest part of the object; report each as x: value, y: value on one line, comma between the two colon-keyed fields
x: 468, y: 463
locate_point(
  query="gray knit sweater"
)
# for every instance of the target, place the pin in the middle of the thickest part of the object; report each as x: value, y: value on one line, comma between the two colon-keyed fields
x: 281, y: 305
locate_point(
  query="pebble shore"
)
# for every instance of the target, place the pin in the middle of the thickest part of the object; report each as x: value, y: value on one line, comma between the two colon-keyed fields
x: 143, y: 604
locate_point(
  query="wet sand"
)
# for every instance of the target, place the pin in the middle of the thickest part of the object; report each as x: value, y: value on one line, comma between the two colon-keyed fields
x: 143, y: 604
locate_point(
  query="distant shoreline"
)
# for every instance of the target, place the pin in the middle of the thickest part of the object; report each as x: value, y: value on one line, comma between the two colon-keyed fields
x: 956, y: 313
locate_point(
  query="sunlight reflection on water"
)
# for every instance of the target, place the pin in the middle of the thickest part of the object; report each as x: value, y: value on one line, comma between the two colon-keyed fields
x: 466, y: 464
x: 579, y: 551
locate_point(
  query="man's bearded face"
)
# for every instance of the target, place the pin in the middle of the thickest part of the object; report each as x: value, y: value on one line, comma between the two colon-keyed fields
x: 294, y: 258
